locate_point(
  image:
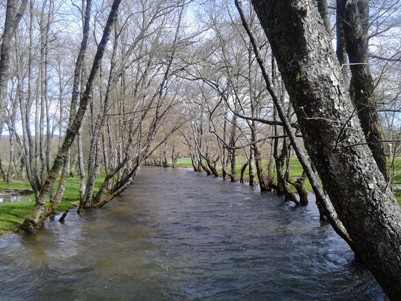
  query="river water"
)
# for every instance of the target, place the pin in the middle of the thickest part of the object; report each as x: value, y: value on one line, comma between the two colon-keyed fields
x: 179, y: 235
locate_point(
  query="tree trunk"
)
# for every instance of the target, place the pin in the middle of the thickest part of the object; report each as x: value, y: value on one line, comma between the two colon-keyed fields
x: 334, y: 137
x: 243, y: 169
x: 341, y: 50
x: 282, y: 185
x: 325, y: 207
x: 212, y: 165
x: 299, y: 185
x: 25, y: 108
x: 11, y: 22
x: 93, y: 163
x: 261, y: 175
x: 174, y: 157
x: 232, y: 151
x: 322, y: 7
x: 355, y: 23
x: 251, y: 169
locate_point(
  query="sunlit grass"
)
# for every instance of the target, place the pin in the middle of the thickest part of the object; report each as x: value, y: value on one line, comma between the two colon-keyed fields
x: 12, y: 214
x: 296, y: 171
x: 183, y: 162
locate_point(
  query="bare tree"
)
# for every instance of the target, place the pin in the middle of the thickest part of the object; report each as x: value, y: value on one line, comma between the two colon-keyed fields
x: 13, y: 17
x: 40, y: 212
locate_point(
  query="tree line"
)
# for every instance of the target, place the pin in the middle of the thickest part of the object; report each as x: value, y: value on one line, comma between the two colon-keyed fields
x: 97, y: 89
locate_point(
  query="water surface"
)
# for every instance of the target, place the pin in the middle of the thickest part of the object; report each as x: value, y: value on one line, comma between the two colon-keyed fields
x: 178, y: 235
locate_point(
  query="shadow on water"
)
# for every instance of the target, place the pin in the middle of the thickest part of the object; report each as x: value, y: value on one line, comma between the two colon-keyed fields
x: 178, y: 235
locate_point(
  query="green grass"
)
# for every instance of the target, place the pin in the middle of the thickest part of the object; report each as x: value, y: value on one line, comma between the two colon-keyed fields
x: 14, y: 185
x: 396, y: 177
x: 296, y: 172
x: 183, y: 162
x: 13, y: 214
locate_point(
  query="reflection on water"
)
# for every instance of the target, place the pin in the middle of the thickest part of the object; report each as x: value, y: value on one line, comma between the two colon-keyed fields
x: 15, y: 198
x: 177, y: 235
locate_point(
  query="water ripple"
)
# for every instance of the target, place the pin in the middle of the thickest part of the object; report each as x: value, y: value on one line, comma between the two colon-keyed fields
x: 179, y: 235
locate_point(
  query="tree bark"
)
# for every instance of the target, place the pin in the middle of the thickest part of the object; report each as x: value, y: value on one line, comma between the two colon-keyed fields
x: 13, y: 17
x: 334, y: 137
x: 323, y: 9
x: 232, y: 152
x: 355, y: 23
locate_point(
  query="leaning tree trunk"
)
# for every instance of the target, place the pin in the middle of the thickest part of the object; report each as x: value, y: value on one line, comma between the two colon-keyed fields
x: 13, y: 17
x: 325, y: 207
x: 35, y: 220
x: 355, y: 24
x: 334, y: 137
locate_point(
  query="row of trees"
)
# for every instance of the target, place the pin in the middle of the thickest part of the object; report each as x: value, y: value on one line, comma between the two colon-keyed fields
x: 88, y: 87
x: 233, y: 113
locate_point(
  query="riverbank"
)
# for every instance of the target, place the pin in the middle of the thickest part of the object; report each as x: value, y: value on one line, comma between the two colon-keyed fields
x: 296, y: 171
x: 12, y: 214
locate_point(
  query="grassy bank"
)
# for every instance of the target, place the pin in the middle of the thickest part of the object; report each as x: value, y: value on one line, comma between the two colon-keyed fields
x: 12, y: 214
x: 296, y: 172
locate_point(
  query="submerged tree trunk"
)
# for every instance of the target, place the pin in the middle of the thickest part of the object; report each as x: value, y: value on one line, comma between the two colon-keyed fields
x: 251, y: 169
x: 333, y: 136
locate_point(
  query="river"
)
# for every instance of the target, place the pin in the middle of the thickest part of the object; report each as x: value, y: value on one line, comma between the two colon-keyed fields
x: 179, y: 235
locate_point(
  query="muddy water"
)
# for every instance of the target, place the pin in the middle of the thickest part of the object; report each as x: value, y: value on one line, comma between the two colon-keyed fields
x: 177, y: 235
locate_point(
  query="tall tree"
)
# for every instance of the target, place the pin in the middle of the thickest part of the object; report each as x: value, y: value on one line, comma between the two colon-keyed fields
x: 40, y: 212
x: 333, y: 136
